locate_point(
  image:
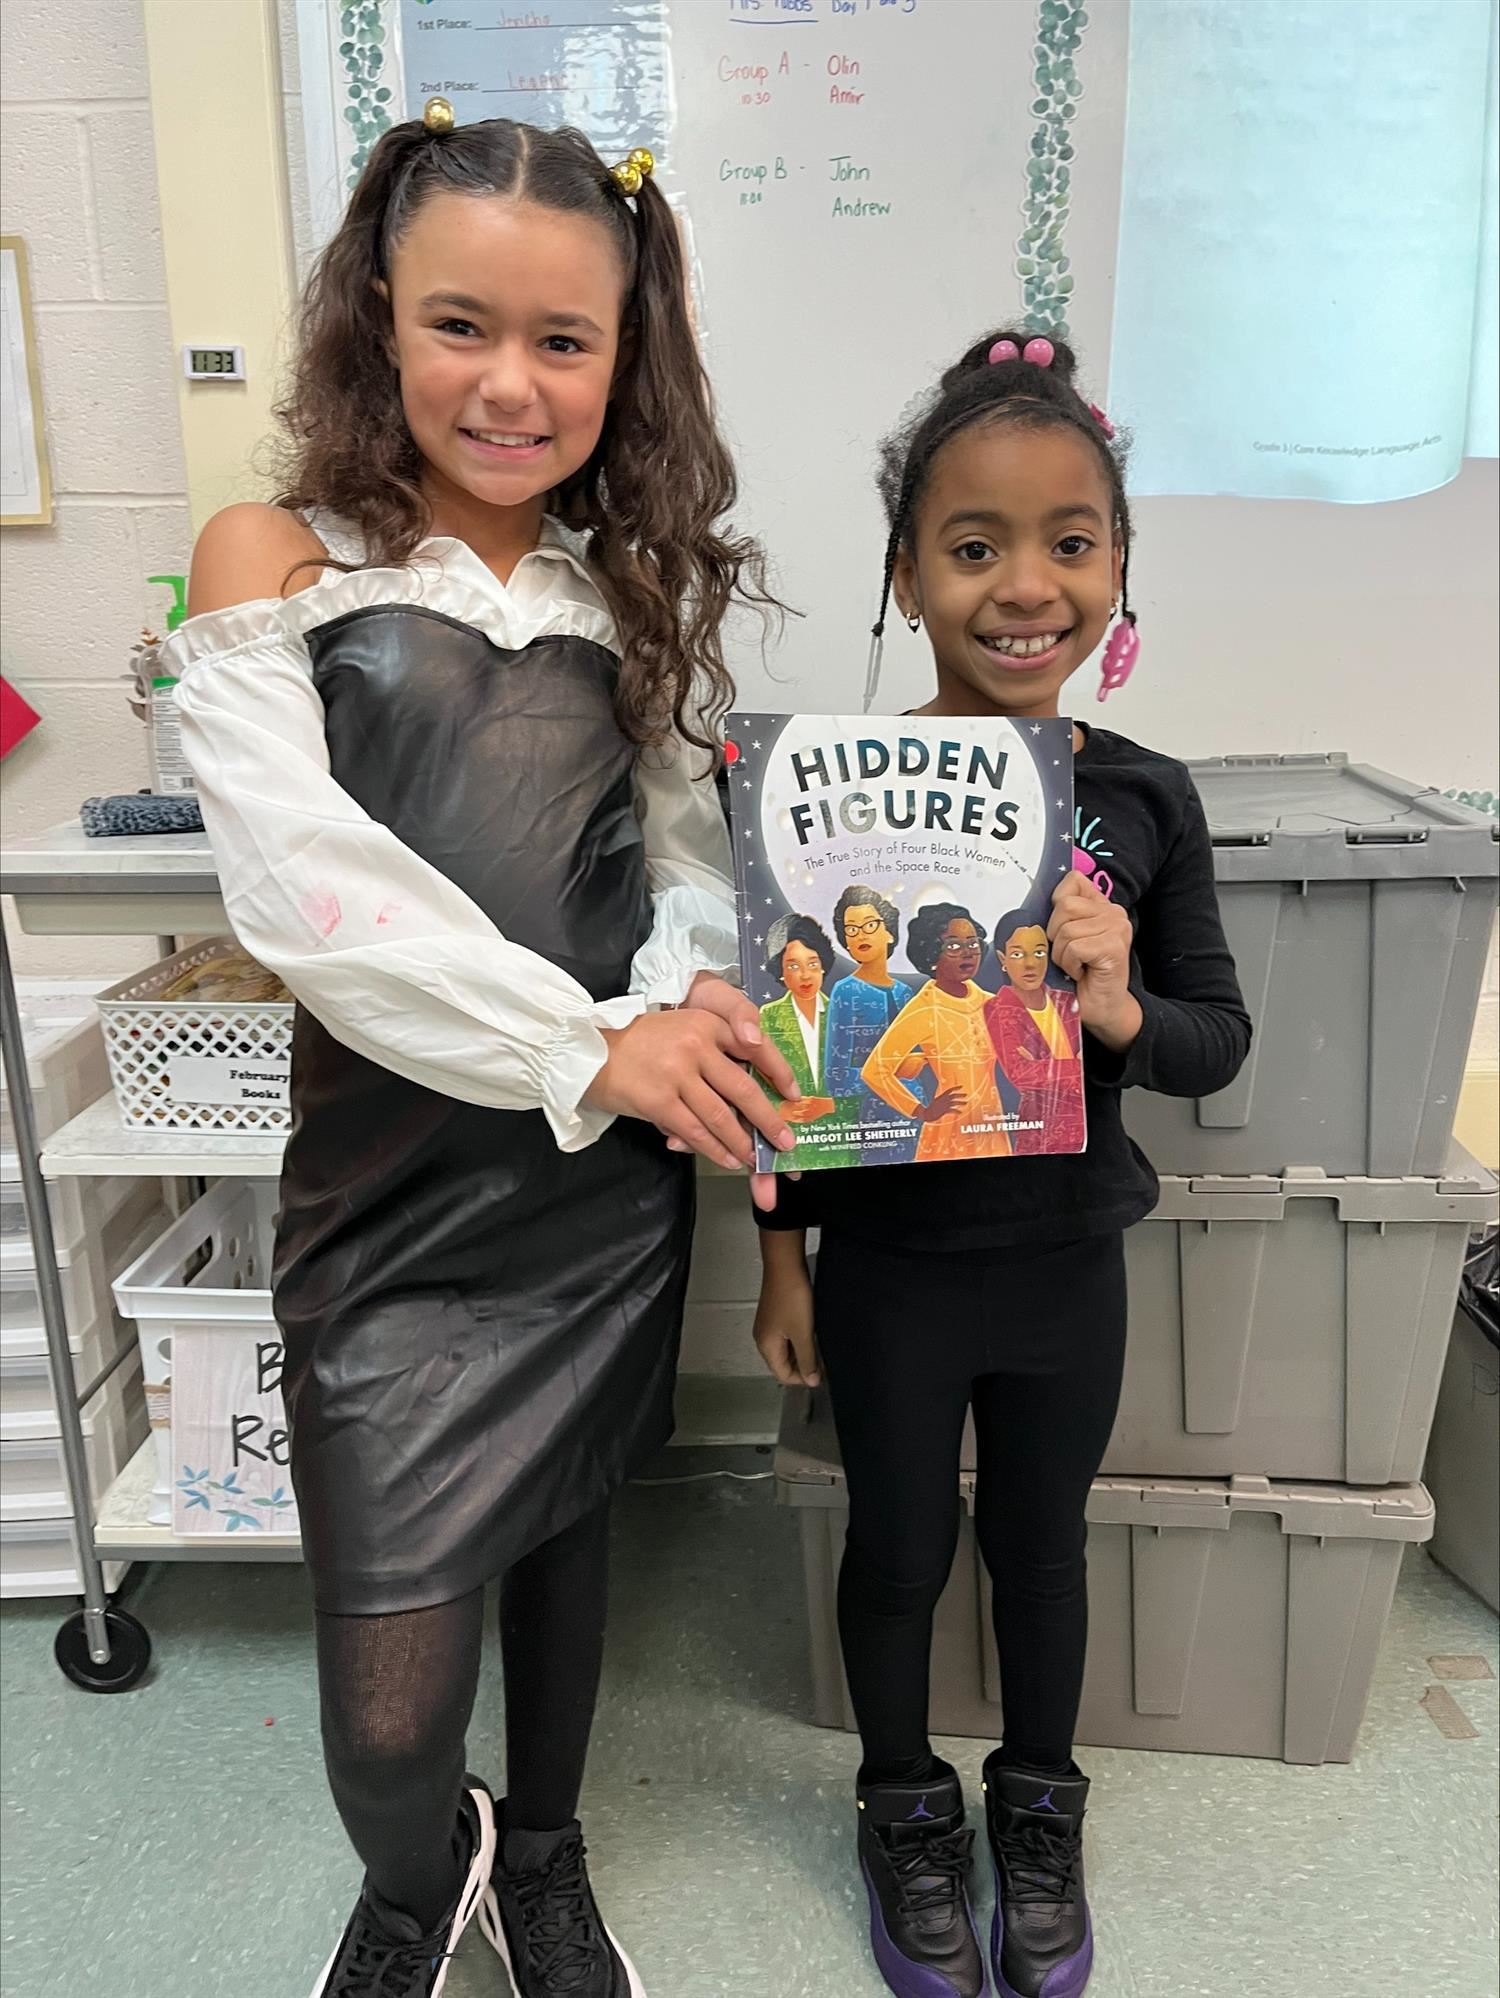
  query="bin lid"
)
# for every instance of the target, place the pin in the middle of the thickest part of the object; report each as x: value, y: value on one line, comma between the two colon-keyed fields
x: 1324, y: 1512
x: 1467, y: 1194
x: 1323, y: 818
x: 809, y: 1473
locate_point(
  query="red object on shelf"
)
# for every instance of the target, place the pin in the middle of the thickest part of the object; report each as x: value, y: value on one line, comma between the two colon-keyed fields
x: 17, y: 717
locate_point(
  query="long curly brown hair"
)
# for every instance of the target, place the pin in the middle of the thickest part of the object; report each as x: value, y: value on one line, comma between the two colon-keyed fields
x: 652, y: 498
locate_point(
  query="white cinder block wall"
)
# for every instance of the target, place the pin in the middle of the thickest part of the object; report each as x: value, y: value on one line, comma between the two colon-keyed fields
x: 78, y: 182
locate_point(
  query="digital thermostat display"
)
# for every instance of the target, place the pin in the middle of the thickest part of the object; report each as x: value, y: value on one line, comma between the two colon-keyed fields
x: 214, y: 364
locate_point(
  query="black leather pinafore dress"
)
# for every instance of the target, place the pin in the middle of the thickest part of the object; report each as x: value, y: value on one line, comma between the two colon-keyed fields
x: 481, y: 1331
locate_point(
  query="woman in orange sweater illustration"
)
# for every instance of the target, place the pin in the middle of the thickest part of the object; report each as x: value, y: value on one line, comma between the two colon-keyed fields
x: 945, y: 1024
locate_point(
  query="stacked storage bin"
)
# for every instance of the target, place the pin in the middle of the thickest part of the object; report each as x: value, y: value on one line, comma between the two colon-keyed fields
x: 97, y: 1226
x: 1290, y: 1299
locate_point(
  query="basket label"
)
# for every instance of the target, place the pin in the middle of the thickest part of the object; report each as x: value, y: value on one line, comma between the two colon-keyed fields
x: 230, y: 1445
x: 261, y: 1078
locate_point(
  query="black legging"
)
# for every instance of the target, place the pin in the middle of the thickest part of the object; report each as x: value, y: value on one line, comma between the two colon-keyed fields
x: 1035, y: 1341
x: 397, y: 1692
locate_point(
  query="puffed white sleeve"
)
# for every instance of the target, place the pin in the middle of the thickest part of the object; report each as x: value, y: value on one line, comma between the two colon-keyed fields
x: 392, y: 958
x: 688, y: 871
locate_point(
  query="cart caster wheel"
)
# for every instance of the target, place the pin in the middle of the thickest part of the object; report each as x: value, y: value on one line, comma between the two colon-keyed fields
x: 129, y: 1653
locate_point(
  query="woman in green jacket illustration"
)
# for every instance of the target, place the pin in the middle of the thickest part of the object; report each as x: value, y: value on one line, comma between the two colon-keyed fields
x: 800, y: 955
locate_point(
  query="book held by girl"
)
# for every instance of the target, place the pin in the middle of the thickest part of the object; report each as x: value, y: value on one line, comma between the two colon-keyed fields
x: 895, y: 884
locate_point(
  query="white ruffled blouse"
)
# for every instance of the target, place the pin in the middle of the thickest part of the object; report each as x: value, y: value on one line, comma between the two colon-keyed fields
x: 397, y: 962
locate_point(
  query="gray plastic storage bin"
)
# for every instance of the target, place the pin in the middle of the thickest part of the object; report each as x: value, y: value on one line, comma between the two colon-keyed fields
x: 1228, y: 1618
x: 1463, y: 1462
x: 1293, y: 1327
x: 1359, y: 911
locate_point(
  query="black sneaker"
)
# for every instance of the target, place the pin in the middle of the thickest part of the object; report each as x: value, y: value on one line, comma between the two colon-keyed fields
x: 915, y: 1851
x: 383, y: 1952
x: 1042, y: 1941
x: 541, y: 1916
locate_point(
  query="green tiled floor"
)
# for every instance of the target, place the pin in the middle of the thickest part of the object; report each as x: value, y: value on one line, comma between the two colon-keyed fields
x: 177, y: 1842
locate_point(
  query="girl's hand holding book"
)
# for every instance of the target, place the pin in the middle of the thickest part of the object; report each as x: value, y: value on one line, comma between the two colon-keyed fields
x: 709, y: 993
x: 1092, y: 941
x: 681, y: 1072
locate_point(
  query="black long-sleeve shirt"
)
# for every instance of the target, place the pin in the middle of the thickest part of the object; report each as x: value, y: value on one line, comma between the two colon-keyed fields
x: 1142, y: 824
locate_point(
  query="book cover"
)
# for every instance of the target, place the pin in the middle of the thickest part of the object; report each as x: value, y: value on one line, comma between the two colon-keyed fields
x: 895, y: 882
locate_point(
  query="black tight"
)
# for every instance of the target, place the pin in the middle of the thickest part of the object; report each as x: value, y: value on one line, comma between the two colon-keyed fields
x: 397, y: 1692
x: 1035, y: 1342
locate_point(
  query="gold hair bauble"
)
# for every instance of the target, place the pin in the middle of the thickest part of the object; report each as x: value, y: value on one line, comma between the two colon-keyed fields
x: 438, y: 115
x: 630, y: 173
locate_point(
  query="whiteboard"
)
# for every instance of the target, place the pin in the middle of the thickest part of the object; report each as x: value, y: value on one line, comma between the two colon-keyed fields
x: 868, y: 184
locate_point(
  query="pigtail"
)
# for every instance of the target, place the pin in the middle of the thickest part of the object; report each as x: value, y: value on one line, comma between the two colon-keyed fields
x: 900, y: 513
x: 346, y: 448
x: 663, y: 481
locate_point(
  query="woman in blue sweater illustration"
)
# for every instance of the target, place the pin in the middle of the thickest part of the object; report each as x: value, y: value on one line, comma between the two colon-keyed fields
x: 860, y: 1008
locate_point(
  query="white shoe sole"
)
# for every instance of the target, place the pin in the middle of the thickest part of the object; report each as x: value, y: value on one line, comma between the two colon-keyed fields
x: 476, y: 1888
x: 493, y: 1930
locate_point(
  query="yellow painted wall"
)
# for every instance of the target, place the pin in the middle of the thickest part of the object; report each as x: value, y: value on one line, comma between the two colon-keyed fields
x: 226, y: 225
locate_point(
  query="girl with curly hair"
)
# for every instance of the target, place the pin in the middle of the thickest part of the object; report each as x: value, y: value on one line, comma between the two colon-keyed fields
x: 451, y: 706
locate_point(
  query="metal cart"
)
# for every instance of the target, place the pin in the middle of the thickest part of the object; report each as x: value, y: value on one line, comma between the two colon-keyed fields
x: 64, y: 884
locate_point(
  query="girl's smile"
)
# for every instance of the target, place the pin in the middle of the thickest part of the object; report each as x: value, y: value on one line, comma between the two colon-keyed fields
x: 1022, y: 650
x: 508, y: 449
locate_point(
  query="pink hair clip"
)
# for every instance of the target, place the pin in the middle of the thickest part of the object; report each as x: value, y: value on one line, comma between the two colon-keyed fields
x: 1101, y: 419
x: 1040, y: 352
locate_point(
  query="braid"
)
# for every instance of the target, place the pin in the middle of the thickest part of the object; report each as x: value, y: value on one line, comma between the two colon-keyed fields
x: 877, y: 629
x: 892, y: 550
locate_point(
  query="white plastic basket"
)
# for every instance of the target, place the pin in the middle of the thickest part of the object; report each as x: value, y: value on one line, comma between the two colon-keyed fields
x: 201, y: 1299
x: 195, y: 1064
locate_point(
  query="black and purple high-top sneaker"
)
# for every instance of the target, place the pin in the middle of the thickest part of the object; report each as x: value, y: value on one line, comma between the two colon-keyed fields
x: 915, y: 1852
x: 1042, y: 1940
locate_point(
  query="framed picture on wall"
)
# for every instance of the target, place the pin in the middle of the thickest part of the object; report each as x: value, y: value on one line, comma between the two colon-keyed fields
x: 25, y: 487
